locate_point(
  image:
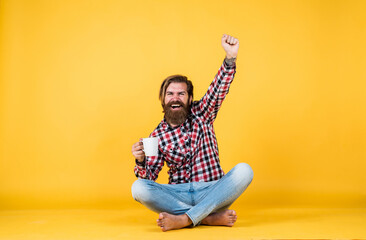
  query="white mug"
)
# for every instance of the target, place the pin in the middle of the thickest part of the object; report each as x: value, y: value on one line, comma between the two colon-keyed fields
x: 151, y: 146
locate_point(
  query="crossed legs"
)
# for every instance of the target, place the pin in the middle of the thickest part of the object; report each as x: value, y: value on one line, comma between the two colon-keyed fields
x: 194, y: 203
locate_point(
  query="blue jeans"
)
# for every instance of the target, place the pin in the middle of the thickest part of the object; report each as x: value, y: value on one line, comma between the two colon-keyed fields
x: 196, y: 199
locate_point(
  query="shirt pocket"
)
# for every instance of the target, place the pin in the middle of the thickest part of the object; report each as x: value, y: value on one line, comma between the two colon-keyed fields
x: 175, y: 155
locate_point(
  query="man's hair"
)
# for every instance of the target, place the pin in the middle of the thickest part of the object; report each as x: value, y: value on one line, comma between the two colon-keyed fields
x: 175, y: 79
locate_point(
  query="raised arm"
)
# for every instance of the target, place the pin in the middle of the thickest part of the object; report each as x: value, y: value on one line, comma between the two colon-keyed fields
x: 210, y: 103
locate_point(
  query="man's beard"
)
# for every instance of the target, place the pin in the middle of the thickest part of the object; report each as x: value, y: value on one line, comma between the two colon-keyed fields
x: 176, y: 117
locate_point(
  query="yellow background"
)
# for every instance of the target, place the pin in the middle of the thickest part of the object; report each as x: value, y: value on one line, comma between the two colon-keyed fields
x: 80, y: 79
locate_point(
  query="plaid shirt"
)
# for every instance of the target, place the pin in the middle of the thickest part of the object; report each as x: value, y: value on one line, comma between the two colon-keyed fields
x: 190, y: 150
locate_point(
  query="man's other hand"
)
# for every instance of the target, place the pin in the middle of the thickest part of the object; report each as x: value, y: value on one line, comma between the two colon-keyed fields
x: 230, y: 45
x: 138, y: 151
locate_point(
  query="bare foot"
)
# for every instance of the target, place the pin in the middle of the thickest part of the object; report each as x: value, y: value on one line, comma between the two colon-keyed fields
x: 168, y: 221
x: 222, y: 218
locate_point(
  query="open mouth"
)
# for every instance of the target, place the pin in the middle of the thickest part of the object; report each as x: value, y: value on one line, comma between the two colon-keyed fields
x: 176, y: 106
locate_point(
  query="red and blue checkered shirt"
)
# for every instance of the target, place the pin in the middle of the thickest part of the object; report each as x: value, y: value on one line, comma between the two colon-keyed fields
x: 190, y: 150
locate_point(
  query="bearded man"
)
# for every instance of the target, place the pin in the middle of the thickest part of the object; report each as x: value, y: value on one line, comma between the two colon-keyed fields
x: 198, y: 191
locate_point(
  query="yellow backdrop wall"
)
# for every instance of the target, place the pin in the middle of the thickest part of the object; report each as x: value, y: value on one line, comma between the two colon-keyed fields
x: 79, y: 85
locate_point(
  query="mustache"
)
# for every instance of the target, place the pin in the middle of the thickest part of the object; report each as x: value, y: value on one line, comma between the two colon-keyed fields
x: 175, y: 102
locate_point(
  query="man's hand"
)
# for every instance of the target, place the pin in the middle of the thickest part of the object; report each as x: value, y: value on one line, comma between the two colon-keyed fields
x: 138, y: 151
x: 230, y: 45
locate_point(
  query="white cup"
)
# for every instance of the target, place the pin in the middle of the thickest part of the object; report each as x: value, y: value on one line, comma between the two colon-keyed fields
x: 151, y: 146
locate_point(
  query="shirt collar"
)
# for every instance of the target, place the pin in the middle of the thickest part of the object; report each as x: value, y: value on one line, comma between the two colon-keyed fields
x: 183, y: 126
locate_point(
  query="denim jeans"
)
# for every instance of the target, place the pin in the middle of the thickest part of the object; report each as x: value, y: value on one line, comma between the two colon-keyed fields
x: 196, y: 199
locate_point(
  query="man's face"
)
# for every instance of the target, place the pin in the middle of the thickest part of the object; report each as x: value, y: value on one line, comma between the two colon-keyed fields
x: 176, y: 103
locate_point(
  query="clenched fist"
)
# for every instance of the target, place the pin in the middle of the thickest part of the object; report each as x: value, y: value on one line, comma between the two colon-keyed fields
x: 138, y: 151
x: 230, y: 45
